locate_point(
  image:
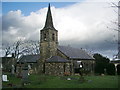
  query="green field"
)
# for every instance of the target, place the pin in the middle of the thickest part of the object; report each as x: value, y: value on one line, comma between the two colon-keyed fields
x: 42, y: 81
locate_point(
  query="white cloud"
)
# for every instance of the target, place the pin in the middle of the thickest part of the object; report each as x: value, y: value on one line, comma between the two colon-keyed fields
x: 83, y: 23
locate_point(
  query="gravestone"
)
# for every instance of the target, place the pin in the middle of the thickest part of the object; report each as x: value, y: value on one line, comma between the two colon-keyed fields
x: 81, y: 79
x: 4, y: 78
x: 13, y: 69
x: 68, y: 78
x: 25, y: 74
x: 80, y: 69
x: 1, y: 66
x: 19, y: 71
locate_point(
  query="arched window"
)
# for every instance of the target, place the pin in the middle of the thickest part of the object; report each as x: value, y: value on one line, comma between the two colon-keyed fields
x: 53, y: 37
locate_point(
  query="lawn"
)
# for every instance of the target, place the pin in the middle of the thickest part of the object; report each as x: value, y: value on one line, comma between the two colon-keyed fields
x: 42, y: 81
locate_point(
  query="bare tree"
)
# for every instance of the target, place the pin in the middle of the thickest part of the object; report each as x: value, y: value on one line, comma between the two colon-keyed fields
x: 117, y: 23
x: 22, y: 48
x: 7, y: 49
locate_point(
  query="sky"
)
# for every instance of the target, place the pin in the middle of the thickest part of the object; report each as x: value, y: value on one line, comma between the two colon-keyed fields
x: 28, y: 7
x: 80, y: 24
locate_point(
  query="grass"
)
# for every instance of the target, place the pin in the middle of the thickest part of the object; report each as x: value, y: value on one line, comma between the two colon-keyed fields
x: 43, y: 81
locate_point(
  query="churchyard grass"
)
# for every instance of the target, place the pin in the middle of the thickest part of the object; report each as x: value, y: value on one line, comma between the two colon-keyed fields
x: 44, y: 81
x: 13, y: 81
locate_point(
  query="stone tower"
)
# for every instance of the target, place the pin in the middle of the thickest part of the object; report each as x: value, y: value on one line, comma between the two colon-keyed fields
x: 48, y: 40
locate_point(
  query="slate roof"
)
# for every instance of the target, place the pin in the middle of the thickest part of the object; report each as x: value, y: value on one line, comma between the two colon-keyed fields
x: 57, y: 59
x: 75, y: 53
x: 49, y: 21
x: 29, y: 58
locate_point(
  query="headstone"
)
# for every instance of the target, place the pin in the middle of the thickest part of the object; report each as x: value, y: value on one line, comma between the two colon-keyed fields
x: 68, y: 78
x: 105, y: 71
x: 80, y: 66
x: 29, y: 66
x: 4, y: 78
x: 1, y: 66
x: 13, y: 69
x: 25, y: 74
x: 19, y: 71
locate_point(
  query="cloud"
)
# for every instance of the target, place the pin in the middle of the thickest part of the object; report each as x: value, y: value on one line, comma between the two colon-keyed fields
x: 82, y: 24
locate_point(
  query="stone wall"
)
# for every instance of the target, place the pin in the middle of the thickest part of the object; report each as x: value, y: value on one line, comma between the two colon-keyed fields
x: 32, y: 70
x: 88, y: 65
x: 57, y: 68
x: 48, y: 45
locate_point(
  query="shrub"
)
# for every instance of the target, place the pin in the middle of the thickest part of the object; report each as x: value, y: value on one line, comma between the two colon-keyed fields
x: 118, y: 69
x: 110, y: 69
x: 99, y: 68
x: 100, y: 63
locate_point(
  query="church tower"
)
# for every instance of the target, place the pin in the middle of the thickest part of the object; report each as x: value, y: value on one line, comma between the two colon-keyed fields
x: 48, y: 39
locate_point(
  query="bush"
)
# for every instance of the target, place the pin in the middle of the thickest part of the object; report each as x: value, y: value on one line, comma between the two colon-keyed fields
x: 110, y: 69
x: 99, y: 68
x: 118, y: 69
x: 100, y: 63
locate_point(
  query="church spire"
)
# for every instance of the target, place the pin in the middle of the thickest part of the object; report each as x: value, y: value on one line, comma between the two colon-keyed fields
x: 49, y: 22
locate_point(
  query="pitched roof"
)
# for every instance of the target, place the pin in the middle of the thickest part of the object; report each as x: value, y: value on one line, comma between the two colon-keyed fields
x: 75, y: 53
x: 49, y: 22
x: 57, y: 59
x: 29, y: 58
x: 115, y: 61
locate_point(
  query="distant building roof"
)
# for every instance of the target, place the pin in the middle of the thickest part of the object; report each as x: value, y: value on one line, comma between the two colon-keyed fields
x: 29, y: 58
x: 115, y: 61
x: 57, y: 59
x: 75, y: 53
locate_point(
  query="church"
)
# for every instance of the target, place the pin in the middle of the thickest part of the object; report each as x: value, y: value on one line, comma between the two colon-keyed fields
x: 58, y: 60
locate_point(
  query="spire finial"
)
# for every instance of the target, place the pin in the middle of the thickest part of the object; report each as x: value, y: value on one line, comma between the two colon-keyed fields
x: 49, y: 5
x: 49, y: 22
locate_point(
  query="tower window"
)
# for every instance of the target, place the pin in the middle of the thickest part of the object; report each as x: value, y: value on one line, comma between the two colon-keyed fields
x: 53, y: 37
x: 44, y: 36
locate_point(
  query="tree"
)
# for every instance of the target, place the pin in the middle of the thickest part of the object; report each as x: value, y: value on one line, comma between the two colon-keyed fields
x: 6, y: 48
x: 100, y: 63
x: 117, y: 25
x: 110, y: 69
x: 21, y: 48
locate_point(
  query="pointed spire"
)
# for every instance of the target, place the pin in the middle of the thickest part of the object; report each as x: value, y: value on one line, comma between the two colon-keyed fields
x: 49, y: 22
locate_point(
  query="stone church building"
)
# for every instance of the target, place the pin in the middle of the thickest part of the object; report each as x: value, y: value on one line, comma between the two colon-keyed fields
x: 58, y: 60
x: 55, y: 59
